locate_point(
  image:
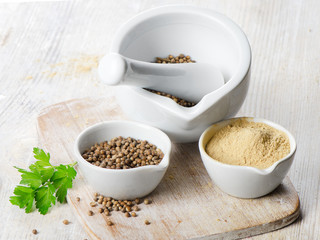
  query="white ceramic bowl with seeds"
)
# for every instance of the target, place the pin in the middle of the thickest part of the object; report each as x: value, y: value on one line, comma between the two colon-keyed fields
x: 245, y: 181
x: 208, y: 37
x: 122, y: 183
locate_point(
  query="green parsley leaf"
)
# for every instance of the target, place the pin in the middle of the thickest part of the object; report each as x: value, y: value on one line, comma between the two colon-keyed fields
x: 46, y: 174
x: 45, y: 197
x: 41, y: 155
x: 24, y: 197
x: 43, y: 184
x: 31, y: 179
x: 62, y: 180
x: 34, y: 168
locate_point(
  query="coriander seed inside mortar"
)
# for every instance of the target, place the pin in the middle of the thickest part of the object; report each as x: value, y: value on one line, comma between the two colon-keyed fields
x: 170, y: 59
x: 246, y: 143
x: 123, y: 153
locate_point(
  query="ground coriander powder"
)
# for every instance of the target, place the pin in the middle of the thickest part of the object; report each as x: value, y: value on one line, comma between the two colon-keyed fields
x: 248, y: 143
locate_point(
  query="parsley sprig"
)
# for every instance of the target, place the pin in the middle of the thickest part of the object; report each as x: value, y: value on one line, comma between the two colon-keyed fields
x: 43, y: 184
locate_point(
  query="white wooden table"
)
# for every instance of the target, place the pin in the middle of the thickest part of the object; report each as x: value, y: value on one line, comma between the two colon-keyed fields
x: 49, y: 53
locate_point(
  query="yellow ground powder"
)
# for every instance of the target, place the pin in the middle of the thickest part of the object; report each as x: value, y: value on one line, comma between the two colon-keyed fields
x: 247, y: 143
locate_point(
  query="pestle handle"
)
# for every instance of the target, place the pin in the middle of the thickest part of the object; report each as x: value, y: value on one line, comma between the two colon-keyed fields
x: 112, y: 69
x: 115, y: 69
x: 187, y: 81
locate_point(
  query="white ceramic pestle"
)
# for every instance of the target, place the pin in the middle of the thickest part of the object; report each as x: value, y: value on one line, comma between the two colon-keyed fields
x: 187, y: 81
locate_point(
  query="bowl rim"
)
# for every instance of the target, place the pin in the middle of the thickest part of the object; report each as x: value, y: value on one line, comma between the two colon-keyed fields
x: 211, y: 98
x: 164, y: 163
x: 265, y: 171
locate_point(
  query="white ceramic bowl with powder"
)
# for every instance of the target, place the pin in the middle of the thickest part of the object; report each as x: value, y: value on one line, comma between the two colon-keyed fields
x: 245, y: 181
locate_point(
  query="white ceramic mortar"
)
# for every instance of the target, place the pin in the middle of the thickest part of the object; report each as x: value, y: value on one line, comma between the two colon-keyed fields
x: 206, y: 36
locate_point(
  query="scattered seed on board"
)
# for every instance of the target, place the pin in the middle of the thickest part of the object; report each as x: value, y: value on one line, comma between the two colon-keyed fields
x: 146, y: 222
x: 66, y: 222
x: 34, y: 231
x: 128, y: 207
x: 78, y: 199
x: 127, y: 214
x: 135, y: 208
x: 93, y: 204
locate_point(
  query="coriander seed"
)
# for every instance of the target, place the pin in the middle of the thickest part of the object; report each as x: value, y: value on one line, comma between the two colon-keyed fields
x: 173, y: 60
x: 135, y: 208
x: 65, y: 222
x: 34, y: 231
x: 106, y: 212
x: 78, y: 199
x: 180, y: 101
x: 90, y: 213
x: 109, y: 223
x: 123, y: 153
x: 128, y: 209
x: 146, y: 222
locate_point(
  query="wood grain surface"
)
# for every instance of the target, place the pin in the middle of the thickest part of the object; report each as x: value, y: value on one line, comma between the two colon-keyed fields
x: 49, y: 52
x: 186, y: 205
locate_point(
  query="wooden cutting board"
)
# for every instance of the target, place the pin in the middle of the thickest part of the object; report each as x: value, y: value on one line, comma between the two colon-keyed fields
x: 186, y: 205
